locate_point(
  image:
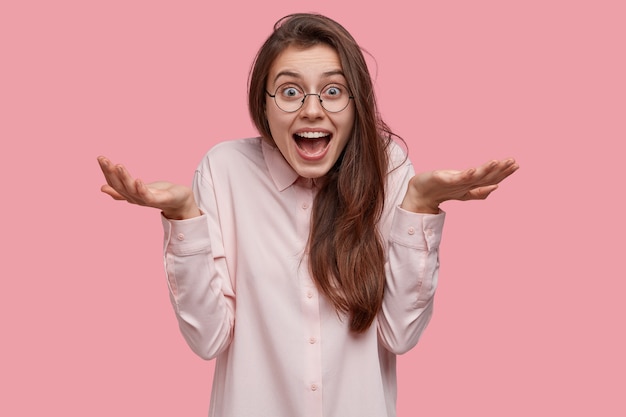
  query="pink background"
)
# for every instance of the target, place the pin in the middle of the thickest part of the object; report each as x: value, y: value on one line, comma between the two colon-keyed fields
x: 530, y: 315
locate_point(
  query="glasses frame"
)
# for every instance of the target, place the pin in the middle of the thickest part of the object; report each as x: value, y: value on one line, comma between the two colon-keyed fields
x: 319, y: 97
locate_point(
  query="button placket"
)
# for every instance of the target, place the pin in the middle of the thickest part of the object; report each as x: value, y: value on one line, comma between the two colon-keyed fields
x: 311, y: 324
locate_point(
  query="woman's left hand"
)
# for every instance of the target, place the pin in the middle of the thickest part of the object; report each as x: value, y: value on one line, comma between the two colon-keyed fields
x: 429, y: 189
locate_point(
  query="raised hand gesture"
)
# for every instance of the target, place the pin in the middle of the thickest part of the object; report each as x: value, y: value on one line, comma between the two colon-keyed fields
x: 175, y: 201
x: 429, y: 189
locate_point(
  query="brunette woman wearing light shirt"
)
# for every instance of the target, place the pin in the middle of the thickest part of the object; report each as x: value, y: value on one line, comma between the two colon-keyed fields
x: 306, y: 259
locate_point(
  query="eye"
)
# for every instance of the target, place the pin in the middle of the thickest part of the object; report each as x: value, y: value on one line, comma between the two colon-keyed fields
x: 333, y: 91
x: 290, y: 91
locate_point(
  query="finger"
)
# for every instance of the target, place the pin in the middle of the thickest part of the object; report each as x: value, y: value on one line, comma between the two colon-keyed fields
x: 144, y: 194
x: 129, y: 185
x: 494, y: 172
x: 126, y: 180
x: 508, y: 167
x: 478, y: 174
x: 481, y: 193
x: 103, y: 161
x: 487, y: 168
x: 107, y: 189
x: 468, y: 175
x: 105, y: 166
x: 469, y: 178
x: 452, y: 177
x: 112, y: 175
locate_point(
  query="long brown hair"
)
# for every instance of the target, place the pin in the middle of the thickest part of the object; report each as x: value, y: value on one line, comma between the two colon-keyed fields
x: 345, y: 249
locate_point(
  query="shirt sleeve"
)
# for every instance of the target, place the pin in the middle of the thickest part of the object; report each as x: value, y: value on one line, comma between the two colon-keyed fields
x: 412, y: 272
x: 412, y: 269
x: 200, y: 287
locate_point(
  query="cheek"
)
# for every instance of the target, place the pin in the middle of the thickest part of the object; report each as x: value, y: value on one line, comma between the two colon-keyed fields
x: 348, y: 118
x: 347, y: 123
x: 278, y: 123
x: 275, y: 136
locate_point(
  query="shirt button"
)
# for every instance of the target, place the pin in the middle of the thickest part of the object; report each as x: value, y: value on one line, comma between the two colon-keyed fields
x: 314, y: 387
x: 305, y: 206
x: 312, y: 340
x: 411, y: 231
x: 309, y: 294
x: 180, y: 236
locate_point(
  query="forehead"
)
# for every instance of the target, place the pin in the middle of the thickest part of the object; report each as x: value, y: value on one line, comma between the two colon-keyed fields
x: 308, y: 65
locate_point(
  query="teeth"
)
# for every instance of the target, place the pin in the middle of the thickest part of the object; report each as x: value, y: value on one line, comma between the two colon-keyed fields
x: 312, y: 135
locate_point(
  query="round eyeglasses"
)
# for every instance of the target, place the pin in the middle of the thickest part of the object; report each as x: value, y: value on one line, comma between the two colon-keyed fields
x: 290, y: 97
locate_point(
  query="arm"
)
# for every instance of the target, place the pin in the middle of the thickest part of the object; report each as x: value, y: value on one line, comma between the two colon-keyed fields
x: 411, y: 268
x: 413, y: 248
x: 200, y: 289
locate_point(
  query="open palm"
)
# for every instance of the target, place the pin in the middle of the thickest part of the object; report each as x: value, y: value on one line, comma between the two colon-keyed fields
x: 176, y: 201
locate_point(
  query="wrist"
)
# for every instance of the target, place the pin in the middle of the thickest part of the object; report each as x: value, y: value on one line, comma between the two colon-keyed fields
x: 188, y: 211
x: 182, y: 215
x: 417, y: 204
x: 420, y: 208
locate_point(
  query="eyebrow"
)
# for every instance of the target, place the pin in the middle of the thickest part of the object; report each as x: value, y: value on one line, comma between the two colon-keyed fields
x: 293, y: 74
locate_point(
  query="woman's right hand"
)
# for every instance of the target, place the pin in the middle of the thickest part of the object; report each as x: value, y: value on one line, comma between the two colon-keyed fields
x: 175, y: 201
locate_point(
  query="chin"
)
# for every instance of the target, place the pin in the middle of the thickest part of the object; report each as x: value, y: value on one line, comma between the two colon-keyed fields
x: 312, y: 172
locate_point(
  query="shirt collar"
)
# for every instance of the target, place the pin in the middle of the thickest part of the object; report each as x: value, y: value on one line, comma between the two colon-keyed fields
x: 280, y: 170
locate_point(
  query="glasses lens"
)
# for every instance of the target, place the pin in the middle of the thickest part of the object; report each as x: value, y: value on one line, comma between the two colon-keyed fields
x: 289, y: 97
x: 335, y: 97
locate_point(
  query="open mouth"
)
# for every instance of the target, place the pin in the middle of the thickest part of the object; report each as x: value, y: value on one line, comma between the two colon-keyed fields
x: 312, y: 143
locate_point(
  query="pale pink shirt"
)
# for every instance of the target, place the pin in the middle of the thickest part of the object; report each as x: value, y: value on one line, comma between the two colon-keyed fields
x: 241, y: 289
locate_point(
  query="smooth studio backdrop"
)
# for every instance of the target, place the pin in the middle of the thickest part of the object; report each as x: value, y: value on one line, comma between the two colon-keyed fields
x: 529, y: 317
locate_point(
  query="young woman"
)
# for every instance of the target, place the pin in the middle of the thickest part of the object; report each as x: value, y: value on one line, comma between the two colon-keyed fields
x: 306, y: 259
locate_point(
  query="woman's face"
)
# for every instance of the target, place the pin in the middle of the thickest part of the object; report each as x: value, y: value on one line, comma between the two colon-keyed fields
x: 311, y: 139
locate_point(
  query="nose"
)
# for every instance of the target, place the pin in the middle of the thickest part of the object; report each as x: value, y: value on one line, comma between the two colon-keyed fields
x: 312, y: 107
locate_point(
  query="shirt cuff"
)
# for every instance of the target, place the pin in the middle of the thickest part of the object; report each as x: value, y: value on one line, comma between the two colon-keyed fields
x: 417, y: 230
x: 186, y: 237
